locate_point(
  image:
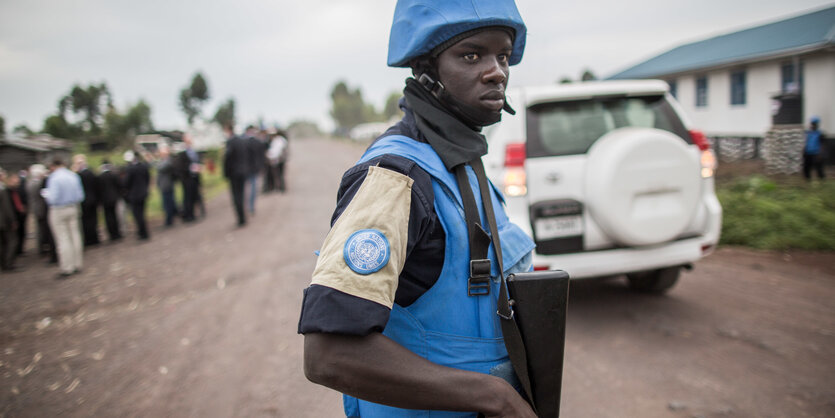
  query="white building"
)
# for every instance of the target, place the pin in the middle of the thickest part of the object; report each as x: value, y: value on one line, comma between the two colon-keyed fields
x: 206, y: 135
x: 726, y: 83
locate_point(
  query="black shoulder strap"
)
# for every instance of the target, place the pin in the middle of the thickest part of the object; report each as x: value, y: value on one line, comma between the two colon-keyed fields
x: 512, y: 336
x: 478, y: 284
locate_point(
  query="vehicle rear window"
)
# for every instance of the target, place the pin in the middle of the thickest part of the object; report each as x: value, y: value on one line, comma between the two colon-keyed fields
x: 566, y: 128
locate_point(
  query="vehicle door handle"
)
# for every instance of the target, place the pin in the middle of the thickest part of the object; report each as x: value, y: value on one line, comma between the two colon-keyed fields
x: 552, y: 177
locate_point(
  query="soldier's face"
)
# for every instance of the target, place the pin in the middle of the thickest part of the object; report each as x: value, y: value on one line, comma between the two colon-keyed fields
x: 476, y: 69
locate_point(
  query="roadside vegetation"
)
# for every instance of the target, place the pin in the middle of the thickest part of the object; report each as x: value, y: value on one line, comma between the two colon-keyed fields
x: 778, y: 213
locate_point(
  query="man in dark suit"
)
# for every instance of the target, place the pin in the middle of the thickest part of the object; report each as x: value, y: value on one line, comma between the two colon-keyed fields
x: 188, y: 170
x: 8, y: 226
x: 236, y: 168
x: 111, y: 192
x: 257, y: 156
x: 137, y: 179
x: 20, y: 202
x: 90, y: 205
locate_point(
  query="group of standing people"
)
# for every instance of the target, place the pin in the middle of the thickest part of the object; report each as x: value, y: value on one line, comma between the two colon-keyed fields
x: 66, y: 202
x: 184, y: 167
x: 107, y: 190
x: 248, y: 156
x: 55, y: 196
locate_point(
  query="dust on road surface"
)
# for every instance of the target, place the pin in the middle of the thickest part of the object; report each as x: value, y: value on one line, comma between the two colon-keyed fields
x: 201, y: 321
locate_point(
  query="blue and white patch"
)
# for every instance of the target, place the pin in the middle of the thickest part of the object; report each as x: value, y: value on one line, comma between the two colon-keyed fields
x: 367, y: 251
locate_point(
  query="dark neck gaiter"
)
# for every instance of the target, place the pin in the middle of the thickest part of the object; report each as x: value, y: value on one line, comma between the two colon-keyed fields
x: 454, y: 140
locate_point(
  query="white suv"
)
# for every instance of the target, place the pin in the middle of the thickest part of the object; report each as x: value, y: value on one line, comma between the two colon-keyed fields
x: 608, y: 178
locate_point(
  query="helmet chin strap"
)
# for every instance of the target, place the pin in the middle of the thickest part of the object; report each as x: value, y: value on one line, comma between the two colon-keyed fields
x: 471, y: 115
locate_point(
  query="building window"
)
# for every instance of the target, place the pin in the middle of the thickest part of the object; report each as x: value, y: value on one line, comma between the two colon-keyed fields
x: 673, y: 88
x: 791, y: 81
x: 701, y: 91
x: 738, y: 88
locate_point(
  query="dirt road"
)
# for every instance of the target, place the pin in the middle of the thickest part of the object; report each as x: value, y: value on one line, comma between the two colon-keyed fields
x: 201, y: 321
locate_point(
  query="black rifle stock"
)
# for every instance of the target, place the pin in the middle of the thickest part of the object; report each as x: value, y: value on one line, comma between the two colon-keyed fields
x: 540, y: 300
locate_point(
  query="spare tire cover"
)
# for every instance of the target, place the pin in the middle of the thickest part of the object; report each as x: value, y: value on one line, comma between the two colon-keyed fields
x: 642, y: 185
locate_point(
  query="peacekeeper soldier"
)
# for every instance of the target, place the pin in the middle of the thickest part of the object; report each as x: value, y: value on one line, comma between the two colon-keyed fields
x: 392, y: 317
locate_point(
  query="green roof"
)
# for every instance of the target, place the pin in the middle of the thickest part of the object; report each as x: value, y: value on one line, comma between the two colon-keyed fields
x: 806, y: 32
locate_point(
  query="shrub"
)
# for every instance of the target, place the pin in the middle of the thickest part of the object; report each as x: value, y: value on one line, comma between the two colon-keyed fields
x: 767, y: 214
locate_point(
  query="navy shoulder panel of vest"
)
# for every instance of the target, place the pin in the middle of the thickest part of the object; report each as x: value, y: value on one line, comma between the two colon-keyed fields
x: 353, y: 178
x: 331, y: 311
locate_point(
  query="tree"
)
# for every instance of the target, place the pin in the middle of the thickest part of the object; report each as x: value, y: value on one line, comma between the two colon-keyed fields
x: 114, y: 127
x: 2, y: 125
x: 138, y: 119
x: 193, y: 97
x: 57, y: 126
x: 225, y: 114
x: 96, y: 119
x: 23, y: 130
x: 565, y: 80
x: 89, y: 102
x: 348, y: 108
x: 369, y: 114
x: 303, y: 129
x: 121, y: 128
x: 392, y: 107
x: 588, y: 75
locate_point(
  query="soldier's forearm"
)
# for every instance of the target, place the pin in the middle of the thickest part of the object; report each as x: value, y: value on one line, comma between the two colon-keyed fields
x: 377, y: 369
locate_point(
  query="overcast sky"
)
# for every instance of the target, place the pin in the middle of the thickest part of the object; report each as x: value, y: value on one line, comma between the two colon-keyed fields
x: 280, y: 59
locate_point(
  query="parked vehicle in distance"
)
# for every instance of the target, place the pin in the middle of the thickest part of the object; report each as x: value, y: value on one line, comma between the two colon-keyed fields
x: 608, y: 178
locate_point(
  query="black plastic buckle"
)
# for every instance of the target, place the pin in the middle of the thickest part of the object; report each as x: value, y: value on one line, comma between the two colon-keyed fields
x: 510, y: 303
x: 479, y: 282
x: 430, y: 84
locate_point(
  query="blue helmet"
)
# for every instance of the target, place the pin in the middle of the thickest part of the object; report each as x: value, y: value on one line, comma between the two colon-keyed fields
x: 421, y: 25
x: 815, y: 119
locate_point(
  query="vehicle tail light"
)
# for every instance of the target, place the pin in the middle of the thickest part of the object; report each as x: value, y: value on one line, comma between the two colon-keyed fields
x: 515, y: 179
x: 699, y: 138
x: 708, y: 163
x: 514, y: 155
x: 540, y: 268
x: 708, y: 158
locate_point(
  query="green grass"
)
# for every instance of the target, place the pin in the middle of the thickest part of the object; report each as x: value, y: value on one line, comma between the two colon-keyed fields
x: 778, y: 213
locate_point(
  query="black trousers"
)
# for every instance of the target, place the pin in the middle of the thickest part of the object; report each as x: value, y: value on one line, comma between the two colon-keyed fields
x: 269, y: 178
x: 46, y: 243
x: 189, y: 197
x: 8, y: 248
x: 112, y: 222
x: 138, y: 209
x: 89, y: 224
x: 21, y: 231
x: 236, y: 186
x: 812, y: 161
x: 279, y: 177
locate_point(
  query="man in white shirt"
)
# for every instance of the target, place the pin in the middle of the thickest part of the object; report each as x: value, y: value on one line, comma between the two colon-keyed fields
x: 63, y: 194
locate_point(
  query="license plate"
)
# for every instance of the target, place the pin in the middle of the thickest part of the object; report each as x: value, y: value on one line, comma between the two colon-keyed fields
x: 558, y: 227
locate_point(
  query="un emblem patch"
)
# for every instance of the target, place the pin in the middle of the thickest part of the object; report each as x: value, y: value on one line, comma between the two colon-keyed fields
x: 366, y: 251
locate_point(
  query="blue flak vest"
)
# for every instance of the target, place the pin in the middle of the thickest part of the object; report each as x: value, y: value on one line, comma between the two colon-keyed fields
x: 813, y: 143
x: 445, y: 325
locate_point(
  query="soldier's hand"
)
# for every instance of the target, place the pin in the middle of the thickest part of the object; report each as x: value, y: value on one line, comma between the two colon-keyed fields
x: 512, y: 405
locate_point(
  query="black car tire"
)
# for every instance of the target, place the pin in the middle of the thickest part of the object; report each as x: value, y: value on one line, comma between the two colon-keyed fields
x: 655, y: 281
